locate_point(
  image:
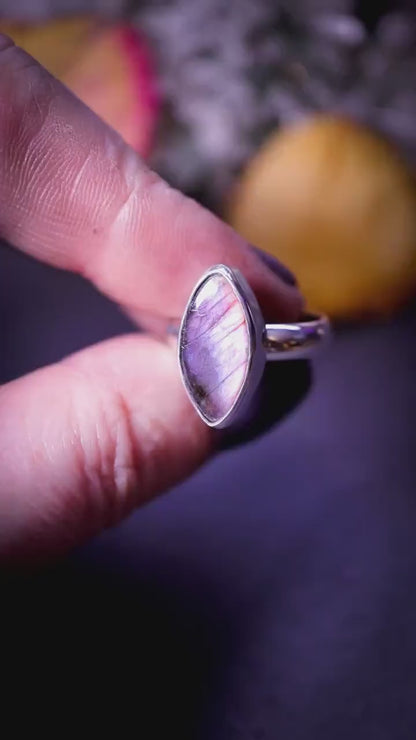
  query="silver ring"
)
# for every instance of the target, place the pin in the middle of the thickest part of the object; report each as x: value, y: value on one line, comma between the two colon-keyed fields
x: 223, y: 344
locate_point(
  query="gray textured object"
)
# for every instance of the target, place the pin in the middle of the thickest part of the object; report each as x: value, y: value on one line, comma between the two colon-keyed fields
x: 232, y: 72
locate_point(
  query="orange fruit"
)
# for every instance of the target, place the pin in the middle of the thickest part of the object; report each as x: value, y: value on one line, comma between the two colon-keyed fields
x: 337, y: 204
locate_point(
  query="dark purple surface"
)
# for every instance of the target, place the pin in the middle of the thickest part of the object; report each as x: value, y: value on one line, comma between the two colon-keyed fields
x: 271, y: 597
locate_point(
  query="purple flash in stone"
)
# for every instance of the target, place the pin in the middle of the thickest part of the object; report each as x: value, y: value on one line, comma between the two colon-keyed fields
x: 215, y: 348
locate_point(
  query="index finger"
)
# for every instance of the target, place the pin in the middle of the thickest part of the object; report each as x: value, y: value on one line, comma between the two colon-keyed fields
x: 73, y: 194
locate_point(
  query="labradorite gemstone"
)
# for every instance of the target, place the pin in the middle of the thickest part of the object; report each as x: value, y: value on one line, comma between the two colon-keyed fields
x: 215, y: 347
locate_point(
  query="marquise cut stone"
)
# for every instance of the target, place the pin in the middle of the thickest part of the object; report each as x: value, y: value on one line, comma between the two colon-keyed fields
x: 215, y: 347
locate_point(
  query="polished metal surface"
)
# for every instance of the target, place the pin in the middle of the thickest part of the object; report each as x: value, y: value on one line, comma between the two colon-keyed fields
x: 295, y: 340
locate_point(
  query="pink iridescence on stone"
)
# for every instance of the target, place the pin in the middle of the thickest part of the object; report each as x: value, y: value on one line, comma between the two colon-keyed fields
x: 215, y: 347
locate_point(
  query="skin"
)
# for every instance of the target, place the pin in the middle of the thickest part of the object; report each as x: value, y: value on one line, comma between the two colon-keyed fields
x: 86, y: 440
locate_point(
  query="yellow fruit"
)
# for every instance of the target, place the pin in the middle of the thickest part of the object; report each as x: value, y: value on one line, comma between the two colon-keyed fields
x: 336, y: 203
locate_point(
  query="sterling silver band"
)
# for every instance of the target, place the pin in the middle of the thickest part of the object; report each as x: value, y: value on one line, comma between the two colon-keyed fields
x: 297, y: 340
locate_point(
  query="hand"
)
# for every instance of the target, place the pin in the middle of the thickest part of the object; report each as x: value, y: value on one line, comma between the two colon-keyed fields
x: 84, y: 441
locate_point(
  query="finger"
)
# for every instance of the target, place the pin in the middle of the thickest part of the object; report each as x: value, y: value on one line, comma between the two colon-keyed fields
x: 75, y: 195
x: 84, y: 441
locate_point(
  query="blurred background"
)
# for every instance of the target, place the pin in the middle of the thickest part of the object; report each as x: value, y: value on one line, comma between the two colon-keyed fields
x: 272, y: 596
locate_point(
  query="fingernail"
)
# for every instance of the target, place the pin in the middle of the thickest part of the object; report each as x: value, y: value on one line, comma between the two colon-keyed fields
x: 275, y: 266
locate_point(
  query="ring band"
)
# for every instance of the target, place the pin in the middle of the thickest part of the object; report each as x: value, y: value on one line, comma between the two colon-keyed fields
x: 296, y: 340
x: 223, y: 344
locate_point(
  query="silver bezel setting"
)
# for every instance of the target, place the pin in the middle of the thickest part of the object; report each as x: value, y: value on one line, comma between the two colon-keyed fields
x: 257, y: 355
